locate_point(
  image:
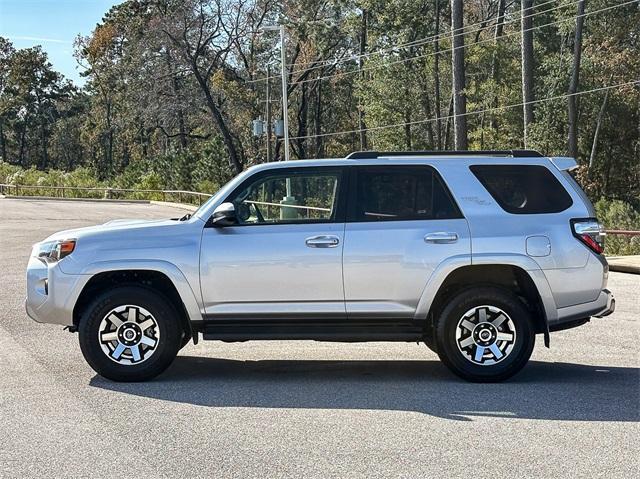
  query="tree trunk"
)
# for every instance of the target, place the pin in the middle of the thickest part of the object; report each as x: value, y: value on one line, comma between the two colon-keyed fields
x: 23, y: 134
x: 426, y: 106
x: 594, y: 145
x: 175, y: 87
x: 494, y: 57
x: 447, y: 131
x: 318, y: 121
x: 303, y: 113
x: 363, y: 45
x: 407, y: 130
x: 436, y: 76
x: 109, y: 148
x: 527, y: 66
x: 3, y: 144
x: 572, y: 147
x: 459, y: 97
x: 234, y: 158
x: 44, y: 140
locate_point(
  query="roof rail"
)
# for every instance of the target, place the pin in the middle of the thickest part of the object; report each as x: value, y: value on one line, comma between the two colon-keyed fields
x: 367, y: 155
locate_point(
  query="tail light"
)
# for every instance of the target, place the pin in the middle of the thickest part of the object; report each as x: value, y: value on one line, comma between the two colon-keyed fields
x: 589, y: 232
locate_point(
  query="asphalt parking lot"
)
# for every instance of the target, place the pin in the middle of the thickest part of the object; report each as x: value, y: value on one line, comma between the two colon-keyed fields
x: 306, y: 409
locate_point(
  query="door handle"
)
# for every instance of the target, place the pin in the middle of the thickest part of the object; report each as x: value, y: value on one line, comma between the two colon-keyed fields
x: 441, y: 237
x: 322, y: 241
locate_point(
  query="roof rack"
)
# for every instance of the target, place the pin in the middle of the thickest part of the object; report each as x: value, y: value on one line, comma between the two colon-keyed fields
x: 368, y: 155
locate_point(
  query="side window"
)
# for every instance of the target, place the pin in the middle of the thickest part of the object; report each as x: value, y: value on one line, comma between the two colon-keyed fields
x: 399, y: 193
x: 288, y: 196
x: 523, y: 189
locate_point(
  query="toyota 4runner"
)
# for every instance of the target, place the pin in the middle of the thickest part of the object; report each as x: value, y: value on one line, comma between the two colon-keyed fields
x: 472, y: 253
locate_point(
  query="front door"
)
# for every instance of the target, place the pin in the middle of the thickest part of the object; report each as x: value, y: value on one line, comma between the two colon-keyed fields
x: 283, y: 260
x: 401, y: 223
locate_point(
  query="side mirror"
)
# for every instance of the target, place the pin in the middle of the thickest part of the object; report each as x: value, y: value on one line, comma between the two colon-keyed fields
x: 224, y: 215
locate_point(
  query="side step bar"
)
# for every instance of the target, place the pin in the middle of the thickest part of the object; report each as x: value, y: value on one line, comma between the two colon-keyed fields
x: 340, y: 331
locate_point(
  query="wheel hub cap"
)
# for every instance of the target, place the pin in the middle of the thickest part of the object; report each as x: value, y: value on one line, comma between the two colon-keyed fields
x: 128, y: 334
x: 485, y: 335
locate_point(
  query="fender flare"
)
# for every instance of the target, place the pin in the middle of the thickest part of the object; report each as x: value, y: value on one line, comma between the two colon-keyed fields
x: 170, y: 270
x: 444, y: 269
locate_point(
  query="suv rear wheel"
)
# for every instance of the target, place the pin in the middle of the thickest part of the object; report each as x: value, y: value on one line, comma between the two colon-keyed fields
x: 130, y: 333
x: 485, y: 334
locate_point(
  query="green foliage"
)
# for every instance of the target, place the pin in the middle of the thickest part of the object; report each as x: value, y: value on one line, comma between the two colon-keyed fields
x: 618, y: 215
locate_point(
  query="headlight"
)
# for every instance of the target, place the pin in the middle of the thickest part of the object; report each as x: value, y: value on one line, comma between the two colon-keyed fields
x: 53, y: 251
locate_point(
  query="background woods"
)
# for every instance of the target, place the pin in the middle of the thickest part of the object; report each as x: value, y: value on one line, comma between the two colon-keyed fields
x: 173, y: 86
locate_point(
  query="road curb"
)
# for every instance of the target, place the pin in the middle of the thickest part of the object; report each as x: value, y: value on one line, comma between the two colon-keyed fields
x: 624, y: 264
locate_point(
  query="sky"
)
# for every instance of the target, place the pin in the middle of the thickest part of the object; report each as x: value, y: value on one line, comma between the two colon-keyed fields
x: 53, y: 24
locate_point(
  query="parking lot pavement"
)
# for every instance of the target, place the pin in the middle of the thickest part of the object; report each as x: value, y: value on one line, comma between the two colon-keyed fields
x: 293, y: 409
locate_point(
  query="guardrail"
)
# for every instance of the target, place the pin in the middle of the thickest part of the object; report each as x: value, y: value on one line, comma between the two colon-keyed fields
x: 178, y: 196
x: 623, y: 232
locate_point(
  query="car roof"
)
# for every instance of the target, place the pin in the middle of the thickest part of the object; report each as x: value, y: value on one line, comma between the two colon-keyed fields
x: 419, y: 157
x: 381, y: 161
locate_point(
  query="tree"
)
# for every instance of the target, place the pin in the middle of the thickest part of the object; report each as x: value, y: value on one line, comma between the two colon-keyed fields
x: 526, y: 11
x: 6, y: 54
x: 363, y: 45
x: 436, y: 73
x: 572, y: 101
x: 458, y: 70
x: 204, y: 34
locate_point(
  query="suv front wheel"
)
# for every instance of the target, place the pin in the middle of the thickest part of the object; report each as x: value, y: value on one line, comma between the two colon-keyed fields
x: 130, y: 333
x: 484, y: 334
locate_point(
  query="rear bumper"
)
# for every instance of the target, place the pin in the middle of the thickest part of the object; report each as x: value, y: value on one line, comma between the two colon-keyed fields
x: 578, y: 314
x: 610, y: 307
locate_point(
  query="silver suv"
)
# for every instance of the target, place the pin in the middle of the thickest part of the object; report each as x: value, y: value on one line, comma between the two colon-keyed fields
x: 472, y: 253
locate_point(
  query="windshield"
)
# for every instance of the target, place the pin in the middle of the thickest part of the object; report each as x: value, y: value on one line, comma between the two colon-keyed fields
x: 204, y: 206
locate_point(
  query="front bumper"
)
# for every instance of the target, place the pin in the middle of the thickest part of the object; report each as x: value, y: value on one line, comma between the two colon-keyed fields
x: 51, y: 294
x: 580, y: 313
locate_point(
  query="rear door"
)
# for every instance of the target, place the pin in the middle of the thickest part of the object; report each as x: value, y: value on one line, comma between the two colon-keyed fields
x: 401, y: 223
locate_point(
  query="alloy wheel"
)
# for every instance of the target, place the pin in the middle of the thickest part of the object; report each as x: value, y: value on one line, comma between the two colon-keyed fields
x: 485, y: 335
x: 128, y: 334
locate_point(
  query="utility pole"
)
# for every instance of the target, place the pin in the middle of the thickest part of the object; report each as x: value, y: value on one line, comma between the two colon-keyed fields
x: 268, y: 113
x: 285, y: 100
x: 283, y: 73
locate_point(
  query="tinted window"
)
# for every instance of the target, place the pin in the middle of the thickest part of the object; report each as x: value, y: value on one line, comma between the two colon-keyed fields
x: 288, y: 196
x: 523, y: 189
x: 401, y: 193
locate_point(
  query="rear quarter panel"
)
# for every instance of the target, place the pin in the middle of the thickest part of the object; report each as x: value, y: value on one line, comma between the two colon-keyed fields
x: 575, y: 275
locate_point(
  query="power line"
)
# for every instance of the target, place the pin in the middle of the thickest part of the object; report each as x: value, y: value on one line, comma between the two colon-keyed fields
x: 482, y: 26
x: 476, y: 112
x: 467, y: 45
x: 420, y: 42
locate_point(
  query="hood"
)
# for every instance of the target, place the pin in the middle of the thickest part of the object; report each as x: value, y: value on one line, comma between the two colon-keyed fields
x: 111, y: 227
x: 129, y: 241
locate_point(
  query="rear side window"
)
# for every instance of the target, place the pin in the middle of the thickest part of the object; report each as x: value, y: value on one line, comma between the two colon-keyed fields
x: 400, y: 193
x: 523, y: 189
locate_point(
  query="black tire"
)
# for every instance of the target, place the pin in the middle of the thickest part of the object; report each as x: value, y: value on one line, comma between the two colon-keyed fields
x: 168, y: 324
x: 452, y: 355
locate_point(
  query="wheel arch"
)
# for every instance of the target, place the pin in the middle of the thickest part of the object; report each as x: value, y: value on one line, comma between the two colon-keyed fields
x: 529, y: 284
x: 165, y: 278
